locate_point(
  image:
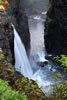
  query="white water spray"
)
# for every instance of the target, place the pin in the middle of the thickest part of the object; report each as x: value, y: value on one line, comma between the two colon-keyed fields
x: 22, y: 64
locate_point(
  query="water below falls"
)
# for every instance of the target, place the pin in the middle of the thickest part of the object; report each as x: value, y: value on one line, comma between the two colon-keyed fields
x: 44, y: 75
x: 30, y: 68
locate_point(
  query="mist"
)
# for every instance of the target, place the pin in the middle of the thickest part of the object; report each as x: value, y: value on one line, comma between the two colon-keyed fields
x: 35, y: 6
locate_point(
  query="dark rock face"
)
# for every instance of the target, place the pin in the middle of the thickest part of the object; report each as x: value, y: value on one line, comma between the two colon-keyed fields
x: 56, y: 27
x: 20, y: 21
x: 7, y: 38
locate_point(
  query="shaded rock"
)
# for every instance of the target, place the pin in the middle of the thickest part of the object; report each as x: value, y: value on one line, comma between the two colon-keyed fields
x: 42, y: 64
x: 49, y: 57
x: 20, y: 21
x: 56, y: 27
x: 7, y: 38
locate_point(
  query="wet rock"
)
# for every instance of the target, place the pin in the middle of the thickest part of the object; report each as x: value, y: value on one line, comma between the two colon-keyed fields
x: 49, y: 57
x: 42, y: 64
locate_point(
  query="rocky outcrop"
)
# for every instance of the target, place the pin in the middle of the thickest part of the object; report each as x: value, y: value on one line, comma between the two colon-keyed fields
x: 56, y: 27
x: 7, y: 38
x: 20, y: 21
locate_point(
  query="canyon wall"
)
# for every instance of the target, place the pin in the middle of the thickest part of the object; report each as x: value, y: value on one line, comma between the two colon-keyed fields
x: 20, y: 21
x: 56, y: 27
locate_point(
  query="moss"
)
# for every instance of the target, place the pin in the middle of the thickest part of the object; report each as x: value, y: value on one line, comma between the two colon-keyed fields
x: 49, y: 6
x: 10, y: 70
x: 48, y: 18
x: 47, y: 23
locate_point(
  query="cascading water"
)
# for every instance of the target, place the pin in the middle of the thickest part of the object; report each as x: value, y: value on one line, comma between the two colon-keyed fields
x: 22, y: 64
x: 44, y: 75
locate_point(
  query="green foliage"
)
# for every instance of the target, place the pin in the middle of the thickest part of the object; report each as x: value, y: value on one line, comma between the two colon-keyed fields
x: 63, y: 60
x: 1, y: 1
x: 60, y: 91
x: 19, y: 82
x: 58, y: 77
x: 29, y: 86
x: 56, y: 58
x: 1, y: 56
x: 6, y: 93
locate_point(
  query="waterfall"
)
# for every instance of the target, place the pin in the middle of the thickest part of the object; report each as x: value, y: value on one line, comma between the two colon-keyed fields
x: 22, y: 64
x: 44, y: 76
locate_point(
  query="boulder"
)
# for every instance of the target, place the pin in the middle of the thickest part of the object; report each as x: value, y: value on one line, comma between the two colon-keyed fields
x: 42, y: 64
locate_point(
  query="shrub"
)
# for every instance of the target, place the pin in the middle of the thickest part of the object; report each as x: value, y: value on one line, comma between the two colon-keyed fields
x: 63, y: 61
x: 60, y: 91
x: 6, y: 93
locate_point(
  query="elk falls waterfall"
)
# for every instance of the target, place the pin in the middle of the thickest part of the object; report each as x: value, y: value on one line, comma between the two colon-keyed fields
x: 29, y: 66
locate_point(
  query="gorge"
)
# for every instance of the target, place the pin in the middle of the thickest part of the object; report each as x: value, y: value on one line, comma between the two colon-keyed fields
x: 33, y: 41
x: 32, y: 69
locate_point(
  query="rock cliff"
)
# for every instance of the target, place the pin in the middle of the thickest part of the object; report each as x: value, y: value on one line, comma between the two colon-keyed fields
x: 20, y: 21
x: 56, y: 27
x: 7, y: 37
